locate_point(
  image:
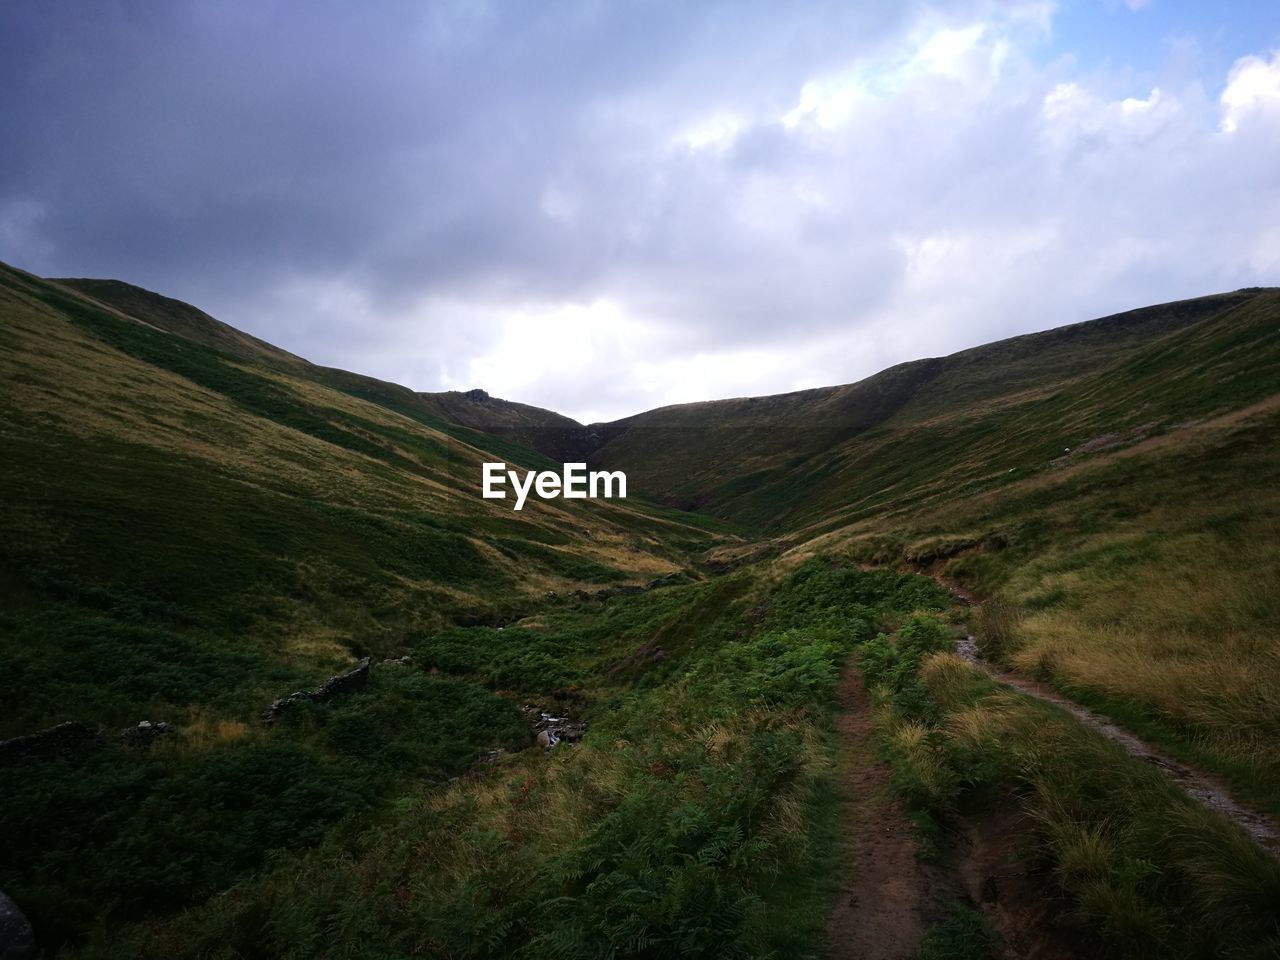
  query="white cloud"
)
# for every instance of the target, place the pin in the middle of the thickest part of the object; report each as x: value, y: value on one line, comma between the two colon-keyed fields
x: 717, y: 130
x: 950, y: 52
x: 603, y: 208
x: 1073, y: 115
x: 1252, y: 92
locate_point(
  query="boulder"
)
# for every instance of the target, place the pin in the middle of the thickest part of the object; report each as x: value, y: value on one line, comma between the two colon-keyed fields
x: 552, y: 730
x: 145, y: 732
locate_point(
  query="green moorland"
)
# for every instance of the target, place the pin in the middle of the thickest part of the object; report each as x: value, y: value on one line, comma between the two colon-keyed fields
x: 1146, y: 872
x: 187, y: 535
x: 197, y: 523
x: 1139, y: 567
x: 1142, y: 579
x: 695, y: 820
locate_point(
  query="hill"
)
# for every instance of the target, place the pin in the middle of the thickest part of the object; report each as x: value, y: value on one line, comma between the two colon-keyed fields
x: 162, y: 467
x: 342, y: 654
x: 533, y: 428
x: 777, y: 463
x: 1114, y: 483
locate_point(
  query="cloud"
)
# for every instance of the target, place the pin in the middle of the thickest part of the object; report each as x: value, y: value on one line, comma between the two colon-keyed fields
x: 604, y: 207
x: 1252, y: 92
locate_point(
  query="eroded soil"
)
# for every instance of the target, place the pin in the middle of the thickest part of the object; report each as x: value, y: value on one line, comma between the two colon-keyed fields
x: 888, y: 898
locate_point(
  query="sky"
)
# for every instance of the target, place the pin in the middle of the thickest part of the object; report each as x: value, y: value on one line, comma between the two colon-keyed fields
x: 605, y: 206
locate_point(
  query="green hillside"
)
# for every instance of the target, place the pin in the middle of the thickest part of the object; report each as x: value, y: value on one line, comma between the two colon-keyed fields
x: 953, y: 424
x: 198, y: 523
x: 1115, y: 482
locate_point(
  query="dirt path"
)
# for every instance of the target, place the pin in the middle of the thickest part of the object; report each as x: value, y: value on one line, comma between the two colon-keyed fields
x: 1207, y: 790
x: 885, y: 904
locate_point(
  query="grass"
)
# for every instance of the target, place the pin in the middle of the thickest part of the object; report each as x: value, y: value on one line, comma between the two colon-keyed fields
x: 696, y: 819
x: 964, y: 934
x: 1137, y: 572
x: 115, y: 833
x: 195, y: 526
x: 188, y: 535
x: 1141, y: 582
x: 1146, y: 871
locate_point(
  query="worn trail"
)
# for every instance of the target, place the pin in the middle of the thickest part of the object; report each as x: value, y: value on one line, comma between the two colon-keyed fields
x: 1207, y: 790
x: 885, y: 904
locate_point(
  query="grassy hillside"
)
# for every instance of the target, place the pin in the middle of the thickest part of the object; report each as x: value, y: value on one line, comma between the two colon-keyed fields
x: 694, y: 820
x: 1115, y: 483
x: 157, y: 480
x: 1138, y: 572
x: 197, y: 525
x: 511, y: 429
x: 935, y: 427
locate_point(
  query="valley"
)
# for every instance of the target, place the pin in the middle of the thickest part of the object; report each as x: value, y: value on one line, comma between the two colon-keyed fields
x: 805, y: 671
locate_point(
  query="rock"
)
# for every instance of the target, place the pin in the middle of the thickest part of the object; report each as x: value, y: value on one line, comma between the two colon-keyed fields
x: 145, y: 732
x: 553, y: 730
x: 354, y: 679
x: 405, y: 661
x: 478, y: 395
x: 17, y: 939
x: 53, y: 742
x: 343, y: 683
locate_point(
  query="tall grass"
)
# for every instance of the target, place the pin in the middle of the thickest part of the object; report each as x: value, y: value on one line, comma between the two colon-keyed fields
x: 695, y: 820
x: 1148, y: 872
x: 997, y: 624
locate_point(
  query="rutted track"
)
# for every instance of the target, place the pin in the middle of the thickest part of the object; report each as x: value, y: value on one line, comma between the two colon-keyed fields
x: 1206, y: 790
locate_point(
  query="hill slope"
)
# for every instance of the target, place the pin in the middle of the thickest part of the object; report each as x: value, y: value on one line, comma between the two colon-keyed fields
x: 548, y: 433
x: 780, y: 462
x: 199, y: 523
x: 158, y: 474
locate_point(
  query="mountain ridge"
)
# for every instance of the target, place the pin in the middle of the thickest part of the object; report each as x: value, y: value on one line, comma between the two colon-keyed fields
x: 857, y: 406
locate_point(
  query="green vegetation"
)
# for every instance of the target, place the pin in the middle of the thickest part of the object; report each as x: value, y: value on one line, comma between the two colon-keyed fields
x: 1137, y: 569
x: 1126, y: 587
x: 1147, y: 872
x: 192, y: 531
x: 922, y: 434
x: 683, y: 826
x: 115, y: 833
x: 198, y: 523
x: 965, y: 934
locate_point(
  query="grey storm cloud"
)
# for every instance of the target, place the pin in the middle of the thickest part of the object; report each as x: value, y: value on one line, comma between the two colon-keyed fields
x: 601, y: 207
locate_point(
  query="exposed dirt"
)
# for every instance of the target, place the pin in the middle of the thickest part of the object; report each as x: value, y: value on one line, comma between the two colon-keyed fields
x: 887, y: 900
x: 997, y: 873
